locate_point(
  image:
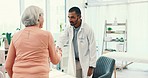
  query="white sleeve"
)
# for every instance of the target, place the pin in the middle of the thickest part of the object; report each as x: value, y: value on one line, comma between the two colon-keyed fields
x: 92, y: 48
x: 63, y: 38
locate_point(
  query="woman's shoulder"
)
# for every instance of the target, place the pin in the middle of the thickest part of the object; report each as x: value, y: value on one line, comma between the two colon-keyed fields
x: 17, y: 33
x: 45, y: 33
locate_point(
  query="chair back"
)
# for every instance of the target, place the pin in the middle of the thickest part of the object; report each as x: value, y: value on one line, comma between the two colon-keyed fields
x: 104, y: 66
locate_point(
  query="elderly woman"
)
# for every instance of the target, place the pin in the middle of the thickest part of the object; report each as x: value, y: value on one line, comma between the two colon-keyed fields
x: 31, y: 48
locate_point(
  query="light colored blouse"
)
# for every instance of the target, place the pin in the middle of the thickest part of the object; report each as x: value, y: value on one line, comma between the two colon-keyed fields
x: 29, y: 53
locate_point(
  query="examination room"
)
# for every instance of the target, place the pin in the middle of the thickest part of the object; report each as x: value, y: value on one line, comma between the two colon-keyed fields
x: 74, y: 39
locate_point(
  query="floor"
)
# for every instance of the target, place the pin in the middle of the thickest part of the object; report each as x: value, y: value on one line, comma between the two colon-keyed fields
x: 135, y: 70
x: 131, y: 74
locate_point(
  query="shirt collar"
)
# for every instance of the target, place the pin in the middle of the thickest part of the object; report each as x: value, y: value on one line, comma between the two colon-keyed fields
x: 76, y: 29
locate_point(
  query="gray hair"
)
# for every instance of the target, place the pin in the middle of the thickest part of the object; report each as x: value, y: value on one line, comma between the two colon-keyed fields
x: 31, y: 15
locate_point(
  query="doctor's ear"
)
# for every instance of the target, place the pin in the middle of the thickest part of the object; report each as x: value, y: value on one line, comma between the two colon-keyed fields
x: 79, y: 16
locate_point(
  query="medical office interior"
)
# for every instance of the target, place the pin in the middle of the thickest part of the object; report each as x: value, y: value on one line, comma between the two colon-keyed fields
x: 120, y: 28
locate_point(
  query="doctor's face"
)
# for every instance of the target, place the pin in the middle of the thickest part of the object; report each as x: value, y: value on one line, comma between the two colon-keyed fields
x: 73, y: 18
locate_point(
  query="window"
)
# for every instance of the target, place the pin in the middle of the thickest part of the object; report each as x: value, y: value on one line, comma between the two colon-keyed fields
x: 57, y: 15
x: 54, y: 14
x: 10, y: 16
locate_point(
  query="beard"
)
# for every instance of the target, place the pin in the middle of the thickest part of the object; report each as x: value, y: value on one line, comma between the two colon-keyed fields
x: 73, y: 23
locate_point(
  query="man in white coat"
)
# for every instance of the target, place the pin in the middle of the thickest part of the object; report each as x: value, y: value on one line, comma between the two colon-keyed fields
x: 82, y: 45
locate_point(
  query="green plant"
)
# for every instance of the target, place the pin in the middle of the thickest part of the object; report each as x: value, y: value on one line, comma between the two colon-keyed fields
x: 8, y: 37
x: 3, y: 33
x: 2, y: 38
x: 17, y: 28
x: 61, y: 29
x: 0, y: 42
x: 109, y: 28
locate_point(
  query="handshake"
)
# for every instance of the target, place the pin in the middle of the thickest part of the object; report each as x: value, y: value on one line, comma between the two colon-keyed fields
x: 59, y: 50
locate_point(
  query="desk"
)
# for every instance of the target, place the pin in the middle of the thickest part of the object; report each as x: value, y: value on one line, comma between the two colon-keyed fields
x: 58, y: 74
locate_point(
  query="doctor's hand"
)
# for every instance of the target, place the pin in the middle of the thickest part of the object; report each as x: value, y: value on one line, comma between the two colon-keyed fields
x: 90, y: 71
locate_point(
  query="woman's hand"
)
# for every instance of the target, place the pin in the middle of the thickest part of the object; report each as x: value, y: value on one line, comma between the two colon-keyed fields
x: 59, y: 50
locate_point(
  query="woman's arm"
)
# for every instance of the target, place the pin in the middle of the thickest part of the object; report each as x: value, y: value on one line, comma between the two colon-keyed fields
x: 54, y: 54
x: 10, y: 59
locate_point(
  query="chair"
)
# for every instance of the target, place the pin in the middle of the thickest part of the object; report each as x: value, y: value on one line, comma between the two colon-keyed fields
x: 104, y: 67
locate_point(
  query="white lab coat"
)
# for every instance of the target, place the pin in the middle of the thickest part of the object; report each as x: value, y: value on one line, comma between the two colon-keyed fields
x: 86, y: 48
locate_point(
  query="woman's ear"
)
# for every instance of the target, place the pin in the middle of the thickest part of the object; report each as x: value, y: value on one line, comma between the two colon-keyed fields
x: 40, y: 26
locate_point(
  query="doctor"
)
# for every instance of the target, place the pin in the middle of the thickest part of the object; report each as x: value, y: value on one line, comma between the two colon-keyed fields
x: 82, y: 45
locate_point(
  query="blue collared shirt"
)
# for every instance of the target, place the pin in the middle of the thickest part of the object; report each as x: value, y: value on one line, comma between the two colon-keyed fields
x: 75, y: 43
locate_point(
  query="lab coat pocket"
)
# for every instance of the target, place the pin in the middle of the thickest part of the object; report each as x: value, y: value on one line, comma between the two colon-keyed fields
x: 83, y: 41
x: 81, y: 38
x: 83, y: 45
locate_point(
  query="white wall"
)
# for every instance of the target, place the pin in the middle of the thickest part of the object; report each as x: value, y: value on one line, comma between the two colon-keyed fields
x: 138, y: 25
x: 137, y: 16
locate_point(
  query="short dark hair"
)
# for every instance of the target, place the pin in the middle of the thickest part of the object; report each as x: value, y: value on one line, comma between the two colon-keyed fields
x: 75, y: 9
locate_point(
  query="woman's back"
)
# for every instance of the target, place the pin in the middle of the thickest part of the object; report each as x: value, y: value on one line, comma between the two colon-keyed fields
x: 31, y: 51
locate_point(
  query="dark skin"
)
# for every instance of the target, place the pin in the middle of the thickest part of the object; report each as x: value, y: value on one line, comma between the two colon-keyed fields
x: 90, y: 71
x: 75, y: 20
